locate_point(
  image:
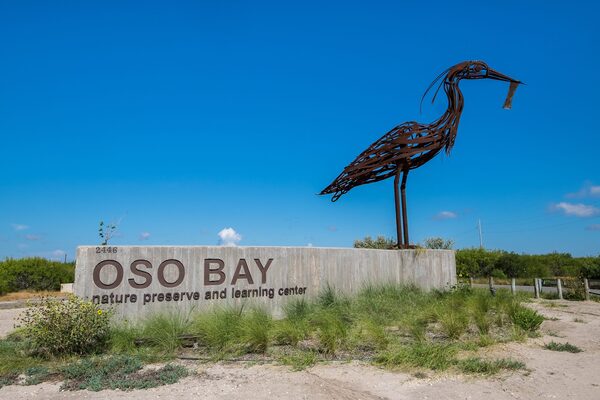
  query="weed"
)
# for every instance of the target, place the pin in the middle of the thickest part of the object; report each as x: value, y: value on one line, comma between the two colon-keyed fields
x: 299, y: 359
x: 8, y: 379
x: 475, y: 365
x: 37, y: 374
x: 117, y: 372
x: 579, y: 320
x: 485, y: 341
x: 368, y: 335
x: 568, y: 347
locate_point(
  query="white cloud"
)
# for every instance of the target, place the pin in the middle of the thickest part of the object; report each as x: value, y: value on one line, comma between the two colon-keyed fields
x: 309, y: 245
x: 144, y: 236
x: 577, y: 210
x: 58, y: 253
x: 593, y: 227
x: 33, y: 237
x: 229, y: 237
x: 19, y: 227
x: 588, y: 190
x: 445, y: 215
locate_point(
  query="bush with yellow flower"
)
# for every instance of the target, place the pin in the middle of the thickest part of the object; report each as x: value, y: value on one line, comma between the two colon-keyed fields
x: 64, y: 326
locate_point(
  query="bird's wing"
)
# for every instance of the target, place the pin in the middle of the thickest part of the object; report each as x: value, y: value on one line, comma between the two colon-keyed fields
x: 380, y: 161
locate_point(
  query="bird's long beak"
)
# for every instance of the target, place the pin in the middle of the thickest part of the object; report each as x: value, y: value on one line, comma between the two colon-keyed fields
x: 493, y: 74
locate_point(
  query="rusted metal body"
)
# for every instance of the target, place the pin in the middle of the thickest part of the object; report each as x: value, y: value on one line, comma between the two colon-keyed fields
x: 411, y: 144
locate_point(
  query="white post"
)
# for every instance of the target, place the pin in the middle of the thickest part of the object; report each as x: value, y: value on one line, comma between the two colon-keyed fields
x: 586, y: 285
x: 559, y: 288
x: 536, y: 288
x: 513, y: 286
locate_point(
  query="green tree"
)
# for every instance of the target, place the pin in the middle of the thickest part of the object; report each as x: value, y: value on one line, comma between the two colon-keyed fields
x: 510, y: 264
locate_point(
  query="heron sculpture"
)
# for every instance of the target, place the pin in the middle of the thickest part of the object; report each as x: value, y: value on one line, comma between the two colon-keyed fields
x: 412, y: 144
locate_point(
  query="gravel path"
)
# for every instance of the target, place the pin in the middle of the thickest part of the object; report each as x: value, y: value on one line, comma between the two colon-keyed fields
x: 550, y: 375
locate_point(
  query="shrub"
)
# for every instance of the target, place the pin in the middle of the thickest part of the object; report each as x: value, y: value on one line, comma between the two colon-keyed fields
x: 438, y: 243
x: 61, y: 327
x: 525, y: 318
x: 34, y: 274
x: 381, y: 242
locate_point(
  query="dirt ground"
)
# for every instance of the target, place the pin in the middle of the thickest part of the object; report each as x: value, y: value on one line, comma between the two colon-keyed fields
x: 549, y: 374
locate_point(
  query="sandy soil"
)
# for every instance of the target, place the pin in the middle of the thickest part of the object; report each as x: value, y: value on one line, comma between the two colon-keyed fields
x: 7, y: 320
x: 550, y: 374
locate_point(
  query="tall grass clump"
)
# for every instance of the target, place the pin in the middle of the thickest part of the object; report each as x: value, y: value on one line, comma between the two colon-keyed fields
x: 219, y: 330
x: 165, y: 331
x: 295, y: 326
x: 480, y: 306
x: 525, y: 318
x: 452, y: 316
x: 124, y: 338
x: 255, y: 330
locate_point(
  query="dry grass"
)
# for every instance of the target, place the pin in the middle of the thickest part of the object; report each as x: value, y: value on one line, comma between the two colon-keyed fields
x: 28, y: 295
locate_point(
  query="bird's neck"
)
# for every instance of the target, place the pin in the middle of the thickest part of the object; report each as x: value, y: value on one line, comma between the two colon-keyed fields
x: 448, y: 122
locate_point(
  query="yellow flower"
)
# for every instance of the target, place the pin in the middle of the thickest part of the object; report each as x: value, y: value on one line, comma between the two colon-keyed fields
x: 99, y: 312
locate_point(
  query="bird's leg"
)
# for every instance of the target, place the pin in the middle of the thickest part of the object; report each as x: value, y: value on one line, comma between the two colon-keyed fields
x: 397, y: 202
x: 404, y: 217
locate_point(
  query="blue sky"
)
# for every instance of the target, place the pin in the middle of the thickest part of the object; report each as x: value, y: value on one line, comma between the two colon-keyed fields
x: 180, y: 119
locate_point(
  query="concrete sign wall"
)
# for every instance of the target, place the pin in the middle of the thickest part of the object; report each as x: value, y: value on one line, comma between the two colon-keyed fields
x: 138, y: 280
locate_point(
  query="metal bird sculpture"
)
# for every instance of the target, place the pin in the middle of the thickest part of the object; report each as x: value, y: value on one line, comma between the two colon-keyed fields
x: 412, y: 144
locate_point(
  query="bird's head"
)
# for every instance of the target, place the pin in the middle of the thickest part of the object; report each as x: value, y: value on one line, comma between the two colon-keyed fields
x: 479, y: 70
x: 474, y: 69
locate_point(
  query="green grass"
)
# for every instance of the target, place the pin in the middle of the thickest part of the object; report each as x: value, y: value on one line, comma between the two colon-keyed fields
x: 568, y: 347
x: 164, y: 331
x: 475, y: 365
x: 437, y: 357
x: 298, y: 359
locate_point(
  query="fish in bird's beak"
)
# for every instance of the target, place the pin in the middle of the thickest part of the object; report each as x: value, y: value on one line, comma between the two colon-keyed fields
x: 493, y: 74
